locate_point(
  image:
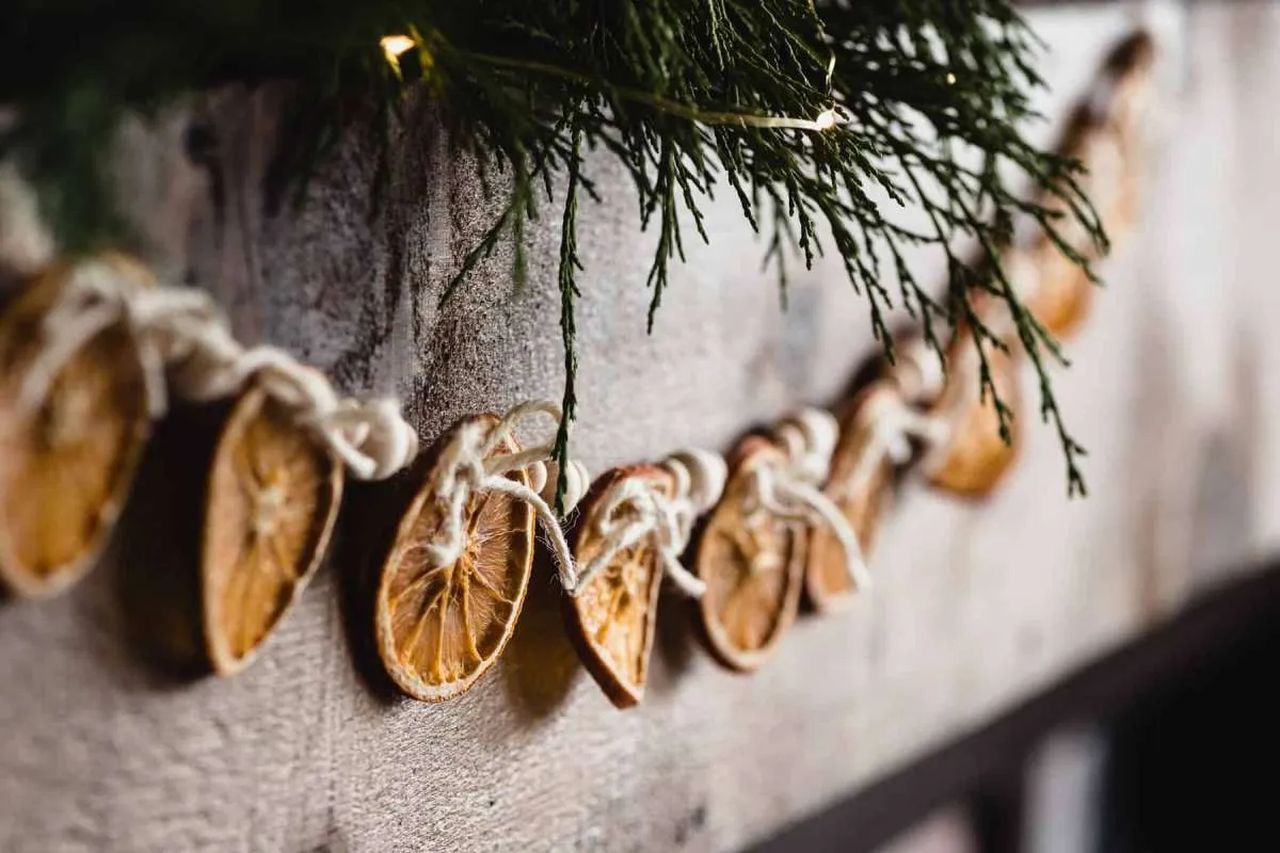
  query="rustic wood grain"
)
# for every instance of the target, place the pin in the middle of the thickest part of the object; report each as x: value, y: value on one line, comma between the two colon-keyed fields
x: 1175, y: 391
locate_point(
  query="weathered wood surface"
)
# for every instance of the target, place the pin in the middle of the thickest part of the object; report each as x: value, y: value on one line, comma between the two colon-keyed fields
x: 1174, y: 390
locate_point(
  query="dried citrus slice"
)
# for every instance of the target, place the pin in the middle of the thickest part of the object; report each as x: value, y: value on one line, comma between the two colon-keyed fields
x: 1061, y: 291
x: 827, y: 581
x: 1121, y: 113
x: 611, y: 620
x: 66, y: 465
x: 752, y: 564
x: 439, y: 628
x: 273, y: 497
x: 975, y: 457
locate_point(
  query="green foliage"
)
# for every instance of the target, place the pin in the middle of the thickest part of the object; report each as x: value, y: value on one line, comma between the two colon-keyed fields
x: 684, y: 93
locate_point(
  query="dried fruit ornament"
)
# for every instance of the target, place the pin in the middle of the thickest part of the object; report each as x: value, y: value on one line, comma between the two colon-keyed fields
x: 876, y: 434
x: 974, y: 456
x: 454, y: 581
x: 751, y: 554
x: 634, y: 524
x: 1105, y: 133
x: 273, y: 498
x: 276, y: 482
x: 74, y: 418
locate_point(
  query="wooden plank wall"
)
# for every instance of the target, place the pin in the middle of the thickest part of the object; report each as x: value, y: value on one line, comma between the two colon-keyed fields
x: 1175, y: 391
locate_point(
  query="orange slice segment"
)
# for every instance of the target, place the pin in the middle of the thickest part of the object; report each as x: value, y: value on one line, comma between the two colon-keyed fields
x: 440, y: 628
x: 273, y: 498
x: 975, y: 457
x: 611, y: 620
x: 752, y: 563
x: 66, y: 467
x: 827, y: 582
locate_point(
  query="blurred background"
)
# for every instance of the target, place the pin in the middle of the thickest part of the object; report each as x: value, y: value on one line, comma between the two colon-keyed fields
x: 1155, y: 745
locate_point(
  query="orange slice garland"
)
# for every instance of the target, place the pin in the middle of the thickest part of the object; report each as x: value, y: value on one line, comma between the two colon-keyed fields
x: 612, y: 617
x: 273, y: 497
x: 751, y: 562
x: 1104, y: 134
x: 440, y: 627
x: 67, y: 459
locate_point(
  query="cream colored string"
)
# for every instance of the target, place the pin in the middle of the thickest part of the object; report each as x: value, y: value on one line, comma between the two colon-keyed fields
x: 467, y: 467
x: 792, y: 490
x: 919, y: 378
x: 634, y: 509
x: 183, y: 342
x: 919, y: 372
x: 893, y: 423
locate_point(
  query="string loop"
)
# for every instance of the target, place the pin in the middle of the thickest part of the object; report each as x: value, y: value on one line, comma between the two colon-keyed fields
x: 892, y: 424
x: 792, y: 489
x: 634, y: 509
x: 185, y: 345
x: 468, y: 466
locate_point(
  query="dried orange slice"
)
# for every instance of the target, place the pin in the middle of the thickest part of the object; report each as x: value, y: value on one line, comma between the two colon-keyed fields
x: 975, y: 457
x: 440, y: 628
x: 752, y: 564
x: 66, y: 466
x: 273, y: 497
x: 1063, y: 292
x: 612, y: 618
x: 827, y: 582
x: 1121, y: 113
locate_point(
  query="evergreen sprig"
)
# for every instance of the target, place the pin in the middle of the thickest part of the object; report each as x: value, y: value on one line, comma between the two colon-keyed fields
x: 929, y: 98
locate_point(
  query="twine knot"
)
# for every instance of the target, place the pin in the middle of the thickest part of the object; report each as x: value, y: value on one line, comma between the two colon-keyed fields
x: 892, y: 424
x: 634, y: 509
x: 792, y: 489
x: 468, y: 467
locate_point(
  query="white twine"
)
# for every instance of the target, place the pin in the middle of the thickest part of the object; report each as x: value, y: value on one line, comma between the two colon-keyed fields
x: 892, y: 425
x: 634, y: 509
x: 466, y: 469
x: 183, y: 341
x: 919, y: 372
x: 792, y: 490
x: 809, y: 438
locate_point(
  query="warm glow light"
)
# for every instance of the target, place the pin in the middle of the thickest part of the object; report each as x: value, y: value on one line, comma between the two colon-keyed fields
x: 951, y: 79
x: 393, y: 46
x: 826, y: 120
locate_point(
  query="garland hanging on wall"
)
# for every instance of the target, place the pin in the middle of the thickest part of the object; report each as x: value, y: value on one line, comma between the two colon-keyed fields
x: 91, y: 351
x: 825, y: 120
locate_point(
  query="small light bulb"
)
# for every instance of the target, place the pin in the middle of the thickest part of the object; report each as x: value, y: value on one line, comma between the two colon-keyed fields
x: 951, y: 79
x: 826, y: 120
x: 395, y: 45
